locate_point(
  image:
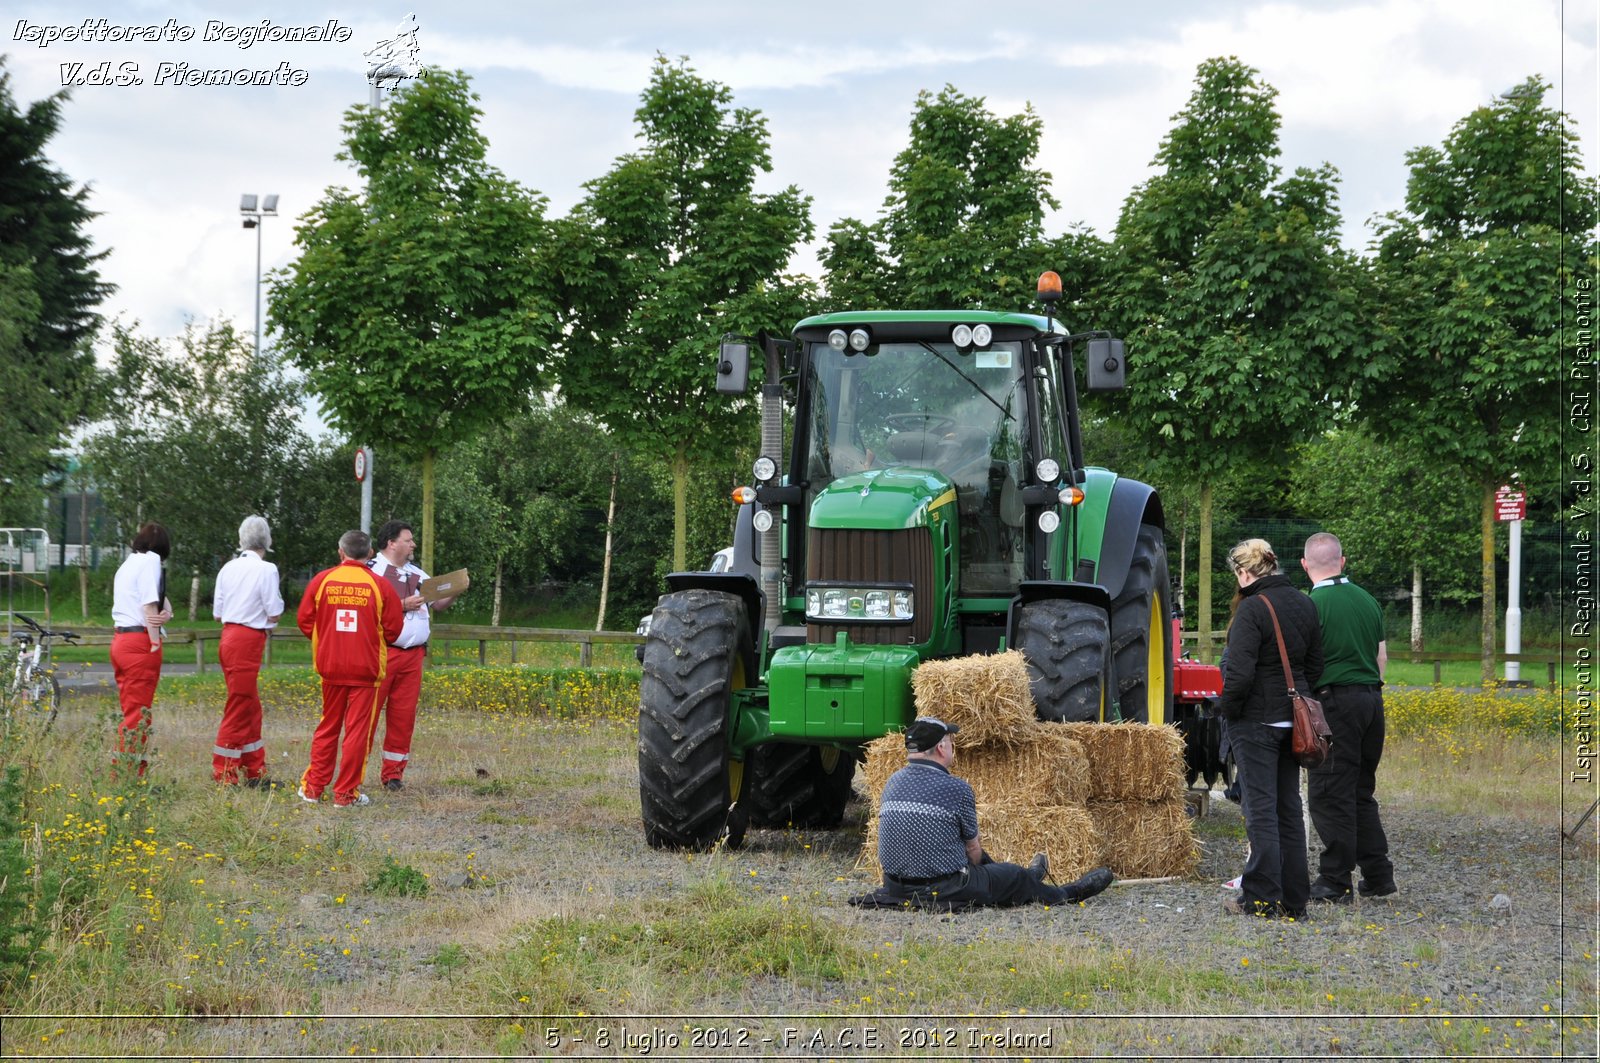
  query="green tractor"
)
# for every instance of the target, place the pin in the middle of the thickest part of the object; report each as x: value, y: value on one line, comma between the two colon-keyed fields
x: 934, y: 501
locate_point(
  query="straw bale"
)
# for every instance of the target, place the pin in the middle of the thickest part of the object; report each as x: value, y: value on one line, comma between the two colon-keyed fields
x: 1131, y: 761
x: 1146, y: 839
x: 885, y: 756
x: 1014, y: 831
x: 1044, y: 766
x: 987, y: 696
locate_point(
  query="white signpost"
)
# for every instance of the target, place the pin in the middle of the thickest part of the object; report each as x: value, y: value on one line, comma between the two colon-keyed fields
x: 1512, y: 506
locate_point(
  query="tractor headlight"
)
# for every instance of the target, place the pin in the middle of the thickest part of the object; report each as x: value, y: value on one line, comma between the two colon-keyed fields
x: 1049, y: 521
x: 1048, y: 470
x: 860, y: 339
x: 838, y: 339
x: 981, y: 335
x: 845, y: 604
x: 765, y: 468
x: 762, y: 520
x: 961, y: 336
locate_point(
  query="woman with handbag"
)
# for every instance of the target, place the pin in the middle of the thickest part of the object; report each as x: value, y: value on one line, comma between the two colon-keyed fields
x: 1255, y: 702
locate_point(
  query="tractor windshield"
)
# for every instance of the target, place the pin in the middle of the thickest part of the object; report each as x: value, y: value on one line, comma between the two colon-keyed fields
x: 931, y: 405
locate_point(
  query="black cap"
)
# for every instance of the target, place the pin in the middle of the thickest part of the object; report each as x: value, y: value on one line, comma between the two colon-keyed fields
x: 926, y: 732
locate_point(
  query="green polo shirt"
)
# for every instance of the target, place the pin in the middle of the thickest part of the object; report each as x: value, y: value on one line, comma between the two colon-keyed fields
x: 1352, y: 627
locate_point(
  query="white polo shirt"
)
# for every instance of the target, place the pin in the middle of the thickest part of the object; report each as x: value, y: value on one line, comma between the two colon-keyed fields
x: 137, y: 584
x: 406, y: 579
x: 247, y: 592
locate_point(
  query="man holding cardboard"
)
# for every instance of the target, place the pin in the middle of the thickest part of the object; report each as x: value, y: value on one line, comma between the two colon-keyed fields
x: 402, y: 684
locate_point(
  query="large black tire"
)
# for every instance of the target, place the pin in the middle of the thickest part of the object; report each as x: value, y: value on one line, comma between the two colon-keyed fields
x: 693, y: 661
x: 789, y: 785
x: 1141, y: 634
x: 1067, y: 646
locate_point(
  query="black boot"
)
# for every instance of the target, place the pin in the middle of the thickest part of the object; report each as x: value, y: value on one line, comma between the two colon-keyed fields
x: 1085, y: 887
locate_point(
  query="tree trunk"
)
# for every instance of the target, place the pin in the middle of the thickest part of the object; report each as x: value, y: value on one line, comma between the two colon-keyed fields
x: 499, y: 583
x: 427, y: 512
x: 605, y: 564
x: 1203, y: 571
x: 1416, y: 607
x: 83, y: 549
x: 1487, y: 621
x: 680, y: 510
x: 194, y: 595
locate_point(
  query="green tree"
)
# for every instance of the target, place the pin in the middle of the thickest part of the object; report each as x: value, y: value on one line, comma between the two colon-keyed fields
x: 963, y: 224
x: 669, y: 251
x: 49, y: 289
x: 201, y: 433
x: 1369, y: 493
x: 416, y: 311
x: 1479, y: 268
x: 1240, y: 311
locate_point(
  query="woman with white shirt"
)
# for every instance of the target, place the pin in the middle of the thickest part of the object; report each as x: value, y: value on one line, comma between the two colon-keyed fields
x: 139, y: 608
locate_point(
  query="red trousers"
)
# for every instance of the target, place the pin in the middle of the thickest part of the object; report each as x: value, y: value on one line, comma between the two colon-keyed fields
x: 397, y: 699
x: 239, y: 743
x: 137, y: 668
x: 346, y: 708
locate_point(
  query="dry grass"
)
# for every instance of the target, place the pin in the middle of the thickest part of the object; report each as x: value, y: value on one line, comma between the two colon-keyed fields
x: 263, y: 911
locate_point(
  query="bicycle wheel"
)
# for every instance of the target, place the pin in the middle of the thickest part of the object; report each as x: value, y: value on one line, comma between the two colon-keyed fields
x: 38, y: 699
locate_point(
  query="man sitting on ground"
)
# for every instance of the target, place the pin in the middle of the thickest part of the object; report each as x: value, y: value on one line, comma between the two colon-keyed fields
x: 928, y: 839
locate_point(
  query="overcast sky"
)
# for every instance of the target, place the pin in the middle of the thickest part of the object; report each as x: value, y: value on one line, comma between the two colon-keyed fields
x: 1359, y: 83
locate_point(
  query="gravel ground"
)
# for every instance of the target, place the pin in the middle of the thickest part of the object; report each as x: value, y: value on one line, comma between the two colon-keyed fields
x: 1490, y: 910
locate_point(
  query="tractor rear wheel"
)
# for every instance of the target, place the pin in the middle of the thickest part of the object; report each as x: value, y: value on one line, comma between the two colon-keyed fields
x: 1141, y: 634
x: 793, y: 785
x: 693, y: 661
x: 1066, y: 644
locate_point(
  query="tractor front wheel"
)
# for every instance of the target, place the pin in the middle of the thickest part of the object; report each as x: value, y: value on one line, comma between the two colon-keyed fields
x: 1141, y: 634
x: 693, y: 661
x: 792, y: 785
x: 1066, y: 644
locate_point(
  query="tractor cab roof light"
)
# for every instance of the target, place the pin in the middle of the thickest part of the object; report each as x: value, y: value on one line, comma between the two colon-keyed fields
x: 860, y: 339
x: 838, y: 339
x: 1049, y: 290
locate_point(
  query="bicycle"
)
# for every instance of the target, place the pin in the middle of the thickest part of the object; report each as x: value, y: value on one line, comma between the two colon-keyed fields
x: 34, y: 690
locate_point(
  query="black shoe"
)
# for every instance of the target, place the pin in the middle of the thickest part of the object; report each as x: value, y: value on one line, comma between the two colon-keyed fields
x: 393, y: 784
x: 1378, y: 889
x: 1090, y: 884
x: 1238, y: 905
x: 1039, y: 866
x: 1286, y: 912
x: 262, y: 782
x: 1322, y: 893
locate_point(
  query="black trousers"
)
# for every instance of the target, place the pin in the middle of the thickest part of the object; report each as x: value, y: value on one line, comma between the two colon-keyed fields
x: 1343, y: 808
x: 1269, y: 788
x: 992, y: 885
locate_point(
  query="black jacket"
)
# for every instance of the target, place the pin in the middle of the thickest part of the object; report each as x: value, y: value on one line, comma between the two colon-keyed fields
x: 1253, y: 687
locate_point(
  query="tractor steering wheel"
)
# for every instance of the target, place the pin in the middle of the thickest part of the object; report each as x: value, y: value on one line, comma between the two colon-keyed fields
x: 936, y: 423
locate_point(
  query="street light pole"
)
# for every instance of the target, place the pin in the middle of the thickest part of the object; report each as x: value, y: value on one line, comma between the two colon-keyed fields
x: 253, y: 217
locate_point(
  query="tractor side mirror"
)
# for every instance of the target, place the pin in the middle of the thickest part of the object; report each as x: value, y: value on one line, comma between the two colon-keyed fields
x: 733, y: 367
x: 1106, y: 367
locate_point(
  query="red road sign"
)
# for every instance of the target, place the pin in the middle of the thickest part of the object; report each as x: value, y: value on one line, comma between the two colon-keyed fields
x: 1510, y: 505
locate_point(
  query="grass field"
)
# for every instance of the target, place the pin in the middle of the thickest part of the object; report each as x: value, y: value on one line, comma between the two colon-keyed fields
x: 505, y: 905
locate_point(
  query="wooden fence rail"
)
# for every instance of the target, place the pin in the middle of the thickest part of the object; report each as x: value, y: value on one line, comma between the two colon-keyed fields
x: 586, y: 641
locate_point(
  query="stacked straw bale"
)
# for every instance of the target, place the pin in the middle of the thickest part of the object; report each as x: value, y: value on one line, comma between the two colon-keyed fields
x: 1085, y: 794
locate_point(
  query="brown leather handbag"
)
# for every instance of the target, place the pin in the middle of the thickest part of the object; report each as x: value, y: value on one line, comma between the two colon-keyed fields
x: 1313, y: 741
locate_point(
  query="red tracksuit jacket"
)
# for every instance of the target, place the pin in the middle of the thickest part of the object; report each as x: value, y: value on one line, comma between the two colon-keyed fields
x: 351, y: 617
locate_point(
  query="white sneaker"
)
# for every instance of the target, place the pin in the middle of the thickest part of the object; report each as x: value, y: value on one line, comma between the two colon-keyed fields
x: 1233, y: 883
x: 301, y: 790
x: 358, y: 801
